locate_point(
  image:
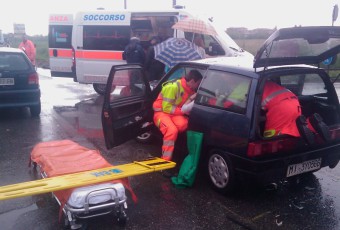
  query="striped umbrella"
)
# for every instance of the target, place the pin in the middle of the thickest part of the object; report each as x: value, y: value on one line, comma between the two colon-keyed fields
x: 195, y: 25
x: 175, y: 50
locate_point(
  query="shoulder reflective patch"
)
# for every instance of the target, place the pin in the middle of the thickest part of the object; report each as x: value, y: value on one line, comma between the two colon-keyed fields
x: 269, y: 133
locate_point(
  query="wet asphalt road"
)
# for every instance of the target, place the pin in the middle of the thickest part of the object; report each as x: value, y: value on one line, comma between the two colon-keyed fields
x: 72, y: 111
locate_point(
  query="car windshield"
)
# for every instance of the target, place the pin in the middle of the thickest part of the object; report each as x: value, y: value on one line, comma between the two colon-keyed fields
x: 13, y: 61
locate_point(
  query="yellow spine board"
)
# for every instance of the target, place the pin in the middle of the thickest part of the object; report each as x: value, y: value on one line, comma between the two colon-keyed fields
x: 52, y: 184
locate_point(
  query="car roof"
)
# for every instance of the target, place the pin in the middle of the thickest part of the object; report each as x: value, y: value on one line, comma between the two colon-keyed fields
x: 299, y: 45
x: 238, y: 65
x: 10, y: 50
x: 238, y: 62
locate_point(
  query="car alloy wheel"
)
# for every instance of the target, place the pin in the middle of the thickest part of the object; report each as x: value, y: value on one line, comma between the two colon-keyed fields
x: 221, y: 173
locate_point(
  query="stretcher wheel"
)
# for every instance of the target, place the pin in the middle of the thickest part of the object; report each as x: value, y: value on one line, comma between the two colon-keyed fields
x: 65, y: 223
x: 122, y: 218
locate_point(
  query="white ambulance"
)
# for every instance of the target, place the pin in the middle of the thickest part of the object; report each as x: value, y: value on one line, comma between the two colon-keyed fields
x: 99, y: 38
x: 60, y: 45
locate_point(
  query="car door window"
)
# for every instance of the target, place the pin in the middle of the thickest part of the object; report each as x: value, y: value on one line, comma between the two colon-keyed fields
x: 127, y: 83
x: 304, y: 84
x: 313, y: 85
x: 224, y: 90
x: 180, y: 72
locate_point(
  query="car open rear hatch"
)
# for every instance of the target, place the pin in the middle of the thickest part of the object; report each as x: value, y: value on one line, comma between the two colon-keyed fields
x: 299, y: 45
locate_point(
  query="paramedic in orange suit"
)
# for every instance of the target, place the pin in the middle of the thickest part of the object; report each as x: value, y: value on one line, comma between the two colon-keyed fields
x: 282, y: 109
x: 29, y: 48
x: 168, y: 116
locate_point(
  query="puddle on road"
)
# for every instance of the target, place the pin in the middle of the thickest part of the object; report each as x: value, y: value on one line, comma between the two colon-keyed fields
x: 84, y: 117
x: 8, y: 219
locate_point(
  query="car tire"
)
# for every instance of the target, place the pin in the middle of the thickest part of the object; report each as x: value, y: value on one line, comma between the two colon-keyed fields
x: 221, y: 173
x: 145, y: 138
x: 35, y: 110
x: 99, y: 88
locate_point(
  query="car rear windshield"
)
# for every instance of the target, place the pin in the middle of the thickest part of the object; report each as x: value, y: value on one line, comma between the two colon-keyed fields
x: 299, y: 47
x: 13, y: 62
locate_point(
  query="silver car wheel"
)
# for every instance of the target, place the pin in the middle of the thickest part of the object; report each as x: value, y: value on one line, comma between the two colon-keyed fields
x: 218, y: 171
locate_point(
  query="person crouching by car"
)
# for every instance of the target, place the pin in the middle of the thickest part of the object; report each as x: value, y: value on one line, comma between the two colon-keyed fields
x: 168, y: 116
x: 282, y: 108
x: 284, y: 115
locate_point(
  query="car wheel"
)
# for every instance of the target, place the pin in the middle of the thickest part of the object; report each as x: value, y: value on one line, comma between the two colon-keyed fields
x: 35, y: 110
x: 99, y: 88
x: 145, y: 138
x: 221, y: 173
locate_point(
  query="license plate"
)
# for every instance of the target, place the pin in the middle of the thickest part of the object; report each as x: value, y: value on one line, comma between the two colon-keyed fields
x: 303, y: 167
x: 6, y: 81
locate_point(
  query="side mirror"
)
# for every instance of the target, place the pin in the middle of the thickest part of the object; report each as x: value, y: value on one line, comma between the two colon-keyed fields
x: 335, y: 13
x: 215, y: 49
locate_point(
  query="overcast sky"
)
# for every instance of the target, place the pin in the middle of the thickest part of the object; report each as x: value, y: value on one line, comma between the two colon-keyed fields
x: 238, y: 13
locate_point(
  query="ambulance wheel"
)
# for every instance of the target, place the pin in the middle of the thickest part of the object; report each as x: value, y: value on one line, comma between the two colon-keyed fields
x: 99, y: 88
x: 221, y: 173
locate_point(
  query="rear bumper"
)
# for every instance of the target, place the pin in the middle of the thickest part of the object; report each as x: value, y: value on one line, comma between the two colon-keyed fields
x: 19, y: 98
x: 267, y: 171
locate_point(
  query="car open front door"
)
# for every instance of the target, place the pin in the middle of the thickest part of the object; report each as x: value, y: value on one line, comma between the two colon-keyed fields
x: 127, y: 107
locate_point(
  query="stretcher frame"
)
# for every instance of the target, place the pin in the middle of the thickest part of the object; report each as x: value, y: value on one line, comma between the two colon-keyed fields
x: 73, y: 217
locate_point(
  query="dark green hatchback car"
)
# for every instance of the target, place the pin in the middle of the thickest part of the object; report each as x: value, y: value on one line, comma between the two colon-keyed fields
x: 233, y: 142
x: 19, y: 81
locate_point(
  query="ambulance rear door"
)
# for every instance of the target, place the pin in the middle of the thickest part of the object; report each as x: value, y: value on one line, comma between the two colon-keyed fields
x: 60, y: 45
x: 99, y: 39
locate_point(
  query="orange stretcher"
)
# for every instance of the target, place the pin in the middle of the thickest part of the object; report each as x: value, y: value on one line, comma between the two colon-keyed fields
x: 57, y: 158
x: 83, y: 183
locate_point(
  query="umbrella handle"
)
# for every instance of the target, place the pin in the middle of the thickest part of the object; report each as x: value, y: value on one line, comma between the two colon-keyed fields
x: 193, y: 36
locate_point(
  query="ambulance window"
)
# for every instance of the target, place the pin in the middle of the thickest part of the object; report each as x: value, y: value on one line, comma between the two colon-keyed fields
x: 106, y: 37
x: 141, y: 25
x: 60, y: 36
x: 211, y: 46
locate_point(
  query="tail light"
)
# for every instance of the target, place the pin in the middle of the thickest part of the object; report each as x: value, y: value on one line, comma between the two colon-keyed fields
x: 286, y: 144
x: 73, y: 60
x: 263, y: 147
x: 33, y: 79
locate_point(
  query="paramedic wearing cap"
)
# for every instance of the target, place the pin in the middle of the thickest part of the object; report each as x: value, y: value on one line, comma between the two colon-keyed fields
x: 282, y: 109
x: 168, y: 116
x: 28, y: 47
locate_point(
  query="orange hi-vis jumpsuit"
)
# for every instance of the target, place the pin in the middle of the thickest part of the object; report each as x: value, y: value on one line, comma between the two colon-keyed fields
x: 168, y: 116
x: 283, y: 108
x: 29, y: 49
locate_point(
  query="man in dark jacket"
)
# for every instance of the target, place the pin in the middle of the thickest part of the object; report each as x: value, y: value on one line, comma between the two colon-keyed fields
x: 134, y: 52
x: 154, y: 68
